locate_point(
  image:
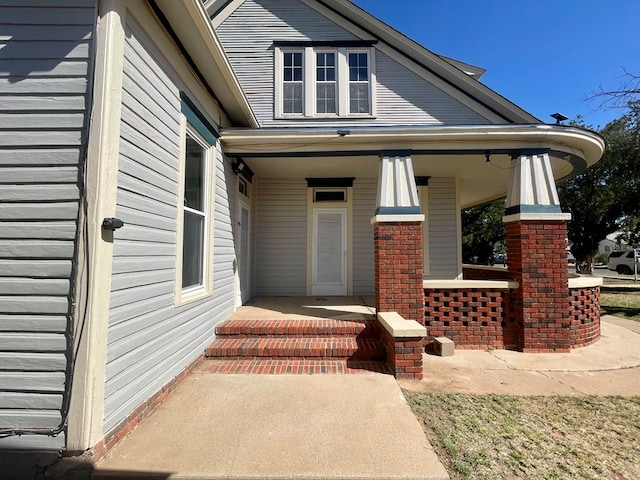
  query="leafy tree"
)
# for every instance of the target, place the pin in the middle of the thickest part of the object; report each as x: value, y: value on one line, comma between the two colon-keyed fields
x: 605, y: 198
x: 483, y: 232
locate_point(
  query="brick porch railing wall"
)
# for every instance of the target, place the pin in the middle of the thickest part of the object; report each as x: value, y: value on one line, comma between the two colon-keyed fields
x: 474, y: 318
x: 472, y: 272
x: 404, y: 355
x: 584, y: 311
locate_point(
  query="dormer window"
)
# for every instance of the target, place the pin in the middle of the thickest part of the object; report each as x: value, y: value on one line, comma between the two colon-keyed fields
x: 323, y: 81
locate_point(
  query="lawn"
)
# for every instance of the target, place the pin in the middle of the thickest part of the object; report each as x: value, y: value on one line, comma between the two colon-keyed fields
x: 620, y: 304
x: 507, y: 437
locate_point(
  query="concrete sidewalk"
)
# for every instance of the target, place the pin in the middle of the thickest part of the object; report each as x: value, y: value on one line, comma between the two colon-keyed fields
x: 268, y: 427
x: 348, y: 426
x: 610, y: 367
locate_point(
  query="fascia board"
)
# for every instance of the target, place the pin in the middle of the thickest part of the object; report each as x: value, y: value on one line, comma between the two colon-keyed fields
x: 572, y: 140
x: 430, y: 60
x: 190, y: 22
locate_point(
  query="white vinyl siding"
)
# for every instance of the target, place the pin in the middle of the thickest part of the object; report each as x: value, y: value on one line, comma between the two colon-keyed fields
x: 150, y: 341
x: 444, y: 218
x: 46, y: 51
x: 364, y: 208
x: 281, y: 237
x: 402, y: 96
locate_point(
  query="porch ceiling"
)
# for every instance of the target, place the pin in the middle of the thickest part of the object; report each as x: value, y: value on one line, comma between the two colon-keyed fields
x: 436, y: 152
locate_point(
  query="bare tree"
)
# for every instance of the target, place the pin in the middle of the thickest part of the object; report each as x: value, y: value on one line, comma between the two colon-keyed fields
x: 626, y: 92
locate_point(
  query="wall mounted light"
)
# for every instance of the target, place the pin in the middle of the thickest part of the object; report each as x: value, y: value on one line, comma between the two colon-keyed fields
x: 487, y: 156
x: 112, y: 224
x: 238, y: 166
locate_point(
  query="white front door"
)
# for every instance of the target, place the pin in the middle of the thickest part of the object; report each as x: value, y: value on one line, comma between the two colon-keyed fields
x: 242, y: 251
x: 329, y: 276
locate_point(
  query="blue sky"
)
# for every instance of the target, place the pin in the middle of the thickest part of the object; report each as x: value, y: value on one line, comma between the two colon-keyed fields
x: 546, y: 56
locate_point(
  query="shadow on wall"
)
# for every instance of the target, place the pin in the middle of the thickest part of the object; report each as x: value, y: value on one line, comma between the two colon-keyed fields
x: 44, y: 51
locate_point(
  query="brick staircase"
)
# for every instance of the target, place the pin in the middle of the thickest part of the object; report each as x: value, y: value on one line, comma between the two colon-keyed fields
x: 296, y: 347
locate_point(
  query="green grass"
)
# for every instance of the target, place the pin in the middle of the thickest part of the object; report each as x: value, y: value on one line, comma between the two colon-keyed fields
x: 505, y: 437
x: 623, y: 305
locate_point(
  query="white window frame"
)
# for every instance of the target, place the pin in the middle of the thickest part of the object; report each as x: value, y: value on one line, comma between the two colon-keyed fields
x: 195, y: 292
x: 348, y: 82
x: 309, y: 82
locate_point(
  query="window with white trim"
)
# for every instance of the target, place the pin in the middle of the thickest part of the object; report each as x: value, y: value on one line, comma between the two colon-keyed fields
x: 292, y: 83
x: 324, y: 82
x: 195, y: 212
x: 194, y: 242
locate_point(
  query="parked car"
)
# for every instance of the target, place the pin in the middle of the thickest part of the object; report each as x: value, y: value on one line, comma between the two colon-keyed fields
x: 622, y: 261
x: 500, y: 258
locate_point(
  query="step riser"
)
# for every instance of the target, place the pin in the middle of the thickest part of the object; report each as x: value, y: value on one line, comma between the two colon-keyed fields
x: 297, y: 329
x: 297, y: 339
x: 373, y: 352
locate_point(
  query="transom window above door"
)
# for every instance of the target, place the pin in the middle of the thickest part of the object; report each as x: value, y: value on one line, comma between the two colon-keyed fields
x: 324, y: 81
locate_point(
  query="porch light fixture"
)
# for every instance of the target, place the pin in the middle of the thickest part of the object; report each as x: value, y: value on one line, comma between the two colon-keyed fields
x: 487, y: 156
x: 238, y: 166
x: 559, y: 118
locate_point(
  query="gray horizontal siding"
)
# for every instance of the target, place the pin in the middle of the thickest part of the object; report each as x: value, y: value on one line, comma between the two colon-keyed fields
x: 443, y: 229
x: 45, y: 50
x: 281, y: 233
x: 150, y: 340
x: 365, y: 192
x: 403, y: 97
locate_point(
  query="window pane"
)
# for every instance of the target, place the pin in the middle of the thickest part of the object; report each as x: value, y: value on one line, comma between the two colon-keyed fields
x: 292, y: 98
x: 358, y: 67
x: 194, y: 175
x: 192, y: 250
x: 326, y: 98
x: 359, y: 98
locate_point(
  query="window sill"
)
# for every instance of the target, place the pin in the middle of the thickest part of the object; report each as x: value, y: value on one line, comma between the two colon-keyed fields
x: 184, y: 298
x: 324, y: 117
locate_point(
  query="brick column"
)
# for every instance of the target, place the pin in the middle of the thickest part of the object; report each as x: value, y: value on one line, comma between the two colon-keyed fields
x: 398, y: 269
x: 537, y: 254
x: 538, y: 261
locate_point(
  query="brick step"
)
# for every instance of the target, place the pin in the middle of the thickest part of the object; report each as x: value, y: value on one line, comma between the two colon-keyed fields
x: 298, y: 347
x: 296, y: 328
x: 293, y: 366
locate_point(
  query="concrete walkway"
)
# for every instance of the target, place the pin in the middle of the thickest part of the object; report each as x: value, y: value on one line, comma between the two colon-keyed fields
x: 610, y: 367
x: 351, y: 426
x: 269, y: 426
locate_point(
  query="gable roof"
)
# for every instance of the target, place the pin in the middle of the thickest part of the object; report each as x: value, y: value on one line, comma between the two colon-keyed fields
x: 188, y: 22
x: 458, y: 75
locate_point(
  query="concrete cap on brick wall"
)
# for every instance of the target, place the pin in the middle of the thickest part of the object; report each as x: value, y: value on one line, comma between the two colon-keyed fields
x: 398, y: 327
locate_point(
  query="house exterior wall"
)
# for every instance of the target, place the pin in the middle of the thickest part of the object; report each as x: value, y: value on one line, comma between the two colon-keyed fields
x: 444, y: 229
x: 365, y: 192
x: 281, y: 237
x: 46, y: 55
x: 403, y: 97
x: 280, y: 260
x: 150, y: 339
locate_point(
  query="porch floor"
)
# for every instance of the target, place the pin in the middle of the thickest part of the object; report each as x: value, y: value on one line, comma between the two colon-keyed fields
x: 305, y: 308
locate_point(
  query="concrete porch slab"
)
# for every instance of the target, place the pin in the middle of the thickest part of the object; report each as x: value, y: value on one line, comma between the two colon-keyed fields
x: 290, y: 308
x: 268, y: 427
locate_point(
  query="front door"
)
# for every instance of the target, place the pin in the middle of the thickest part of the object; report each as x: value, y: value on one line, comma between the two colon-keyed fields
x: 329, y: 275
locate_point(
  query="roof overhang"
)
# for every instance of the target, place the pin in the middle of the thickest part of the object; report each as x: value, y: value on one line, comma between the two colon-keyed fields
x: 189, y: 21
x: 459, y: 152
